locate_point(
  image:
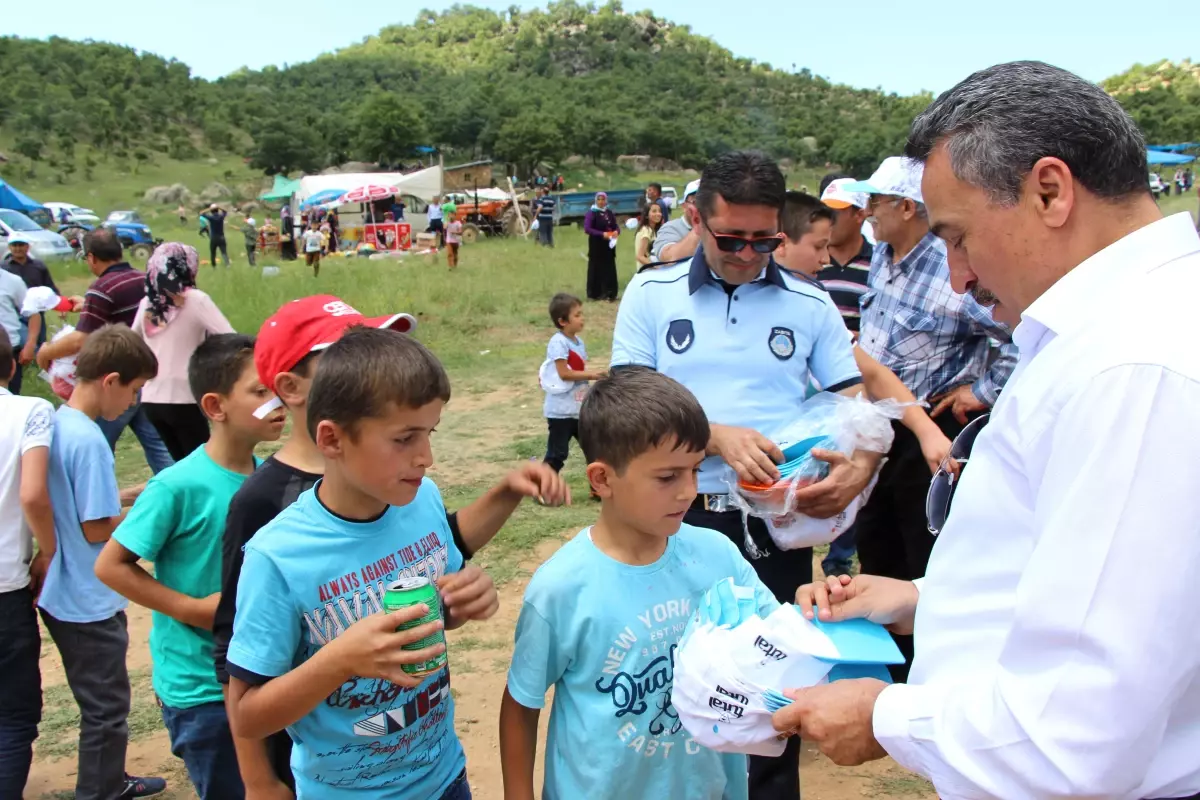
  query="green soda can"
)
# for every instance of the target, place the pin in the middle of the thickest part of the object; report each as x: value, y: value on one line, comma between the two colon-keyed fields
x: 412, y: 592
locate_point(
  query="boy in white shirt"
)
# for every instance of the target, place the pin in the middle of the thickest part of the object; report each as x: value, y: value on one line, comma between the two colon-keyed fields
x: 569, y: 356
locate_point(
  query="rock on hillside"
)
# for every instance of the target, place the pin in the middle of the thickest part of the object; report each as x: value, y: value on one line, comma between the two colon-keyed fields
x: 175, y: 194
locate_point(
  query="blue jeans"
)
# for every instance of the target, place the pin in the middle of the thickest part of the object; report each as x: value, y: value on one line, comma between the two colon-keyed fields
x: 152, y: 444
x: 546, y: 232
x: 20, y: 691
x: 200, y: 737
x: 459, y: 789
x: 841, y: 553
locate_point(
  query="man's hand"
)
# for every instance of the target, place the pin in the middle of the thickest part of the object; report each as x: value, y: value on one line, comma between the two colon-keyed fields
x: 43, y: 357
x: 277, y: 790
x: 837, y: 717
x: 846, y: 480
x: 595, y: 374
x: 202, y: 610
x: 374, y: 648
x: 752, y: 455
x: 961, y: 401
x: 37, y: 574
x: 28, y: 352
x: 468, y: 594
x: 884, y: 601
x: 537, y: 480
x: 76, y: 303
x: 130, y: 494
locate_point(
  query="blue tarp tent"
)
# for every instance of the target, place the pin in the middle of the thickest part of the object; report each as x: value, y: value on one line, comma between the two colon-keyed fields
x: 1174, y: 148
x: 1162, y: 157
x: 11, y: 198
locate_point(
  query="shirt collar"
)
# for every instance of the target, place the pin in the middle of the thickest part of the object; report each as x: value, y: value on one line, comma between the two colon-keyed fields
x: 1075, y: 297
x: 928, y: 242
x: 120, y: 265
x: 700, y: 274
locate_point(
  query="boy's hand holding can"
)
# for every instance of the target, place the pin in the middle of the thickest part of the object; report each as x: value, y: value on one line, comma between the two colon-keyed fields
x: 373, y: 647
x: 468, y: 594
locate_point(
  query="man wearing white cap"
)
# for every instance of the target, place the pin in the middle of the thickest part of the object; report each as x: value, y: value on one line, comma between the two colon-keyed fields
x: 937, y: 343
x: 677, y: 238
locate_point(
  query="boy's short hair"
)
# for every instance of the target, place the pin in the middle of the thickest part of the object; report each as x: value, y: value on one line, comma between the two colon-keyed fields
x: 6, y: 356
x: 218, y: 363
x: 368, y: 369
x: 635, y: 409
x: 561, y: 306
x: 115, y: 348
x: 800, y: 211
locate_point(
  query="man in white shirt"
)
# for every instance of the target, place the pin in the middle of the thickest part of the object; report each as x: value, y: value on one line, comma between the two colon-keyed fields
x: 26, y: 426
x: 1047, y: 664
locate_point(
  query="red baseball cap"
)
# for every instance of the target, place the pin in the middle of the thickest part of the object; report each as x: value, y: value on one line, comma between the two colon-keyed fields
x: 305, y: 326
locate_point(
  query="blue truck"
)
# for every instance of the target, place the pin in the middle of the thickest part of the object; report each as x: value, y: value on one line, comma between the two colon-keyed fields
x: 572, y: 206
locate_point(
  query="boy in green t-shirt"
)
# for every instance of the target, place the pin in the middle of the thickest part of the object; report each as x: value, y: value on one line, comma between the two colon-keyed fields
x: 178, y: 523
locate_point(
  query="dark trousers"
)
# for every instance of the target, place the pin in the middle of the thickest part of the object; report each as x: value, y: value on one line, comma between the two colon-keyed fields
x: 200, y: 736
x: 602, y: 281
x: 459, y: 789
x: 181, y: 426
x: 783, y: 572
x: 893, y: 534
x: 14, y: 384
x: 250, y: 248
x: 438, y: 227
x: 20, y: 689
x: 546, y: 232
x: 214, y: 244
x: 558, y: 443
x: 93, y: 658
x: 840, y: 558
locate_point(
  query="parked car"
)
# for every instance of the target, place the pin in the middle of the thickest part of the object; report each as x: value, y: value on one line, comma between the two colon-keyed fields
x: 1156, y: 184
x: 134, y: 234
x: 43, y: 244
x: 68, y: 213
x: 671, y: 195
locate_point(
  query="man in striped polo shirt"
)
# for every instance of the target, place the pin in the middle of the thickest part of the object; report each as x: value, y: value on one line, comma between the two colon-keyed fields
x: 112, y: 299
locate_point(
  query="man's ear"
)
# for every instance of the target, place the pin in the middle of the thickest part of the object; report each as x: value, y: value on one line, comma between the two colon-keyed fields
x: 329, y: 438
x: 600, y: 475
x: 1051, y: 188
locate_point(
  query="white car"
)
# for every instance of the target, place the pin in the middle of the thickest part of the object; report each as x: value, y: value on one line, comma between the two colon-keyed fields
x: 671, y: 195
x: 43, y: 244
x: 69, y: 212
x: 1157, y: 186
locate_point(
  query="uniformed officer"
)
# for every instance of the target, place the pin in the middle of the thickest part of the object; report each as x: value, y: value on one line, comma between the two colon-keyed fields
x: 744, y: 337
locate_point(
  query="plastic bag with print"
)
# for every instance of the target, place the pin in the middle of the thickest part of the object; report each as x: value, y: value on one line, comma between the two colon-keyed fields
x: 827, y: 422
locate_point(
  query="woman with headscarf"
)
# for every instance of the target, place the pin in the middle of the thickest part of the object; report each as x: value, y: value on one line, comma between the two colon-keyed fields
x: 174, y: 318
x: 601, y: 227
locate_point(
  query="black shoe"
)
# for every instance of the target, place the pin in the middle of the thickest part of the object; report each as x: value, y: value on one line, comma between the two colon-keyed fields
x: 143, y: 787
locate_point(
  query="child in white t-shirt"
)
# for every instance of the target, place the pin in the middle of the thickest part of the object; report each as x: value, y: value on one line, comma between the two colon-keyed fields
x: 568, y: 356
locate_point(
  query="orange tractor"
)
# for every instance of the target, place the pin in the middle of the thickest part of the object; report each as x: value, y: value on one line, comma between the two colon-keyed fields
x: 490, y: 216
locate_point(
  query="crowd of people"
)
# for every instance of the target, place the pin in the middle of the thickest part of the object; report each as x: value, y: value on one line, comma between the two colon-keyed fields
x: 1010, y: 303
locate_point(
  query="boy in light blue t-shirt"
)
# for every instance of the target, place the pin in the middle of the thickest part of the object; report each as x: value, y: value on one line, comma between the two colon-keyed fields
x: 602, y: 618
x: 567, y: 353
x: 178, y: 523
x: 85, y: 618
x: 310, y: 649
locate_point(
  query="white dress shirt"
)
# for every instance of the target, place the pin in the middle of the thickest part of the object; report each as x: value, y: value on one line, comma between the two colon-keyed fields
x: 1058, y: 628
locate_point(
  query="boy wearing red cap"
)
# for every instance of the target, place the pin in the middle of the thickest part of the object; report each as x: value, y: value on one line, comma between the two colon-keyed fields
x: 289, y: 345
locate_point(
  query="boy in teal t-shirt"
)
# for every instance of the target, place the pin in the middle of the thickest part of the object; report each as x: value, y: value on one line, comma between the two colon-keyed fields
x: 602, y: 618
x: 178, y: 523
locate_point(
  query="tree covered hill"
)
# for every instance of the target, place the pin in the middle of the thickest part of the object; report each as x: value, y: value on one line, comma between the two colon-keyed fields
x: 525, y: 87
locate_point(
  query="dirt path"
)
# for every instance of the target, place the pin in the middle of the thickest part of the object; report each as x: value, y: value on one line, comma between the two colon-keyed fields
x: 479, y: 662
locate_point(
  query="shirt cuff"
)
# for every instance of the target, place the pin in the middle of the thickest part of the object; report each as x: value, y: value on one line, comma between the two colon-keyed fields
x: 902, y: 712
x: 985, y: 391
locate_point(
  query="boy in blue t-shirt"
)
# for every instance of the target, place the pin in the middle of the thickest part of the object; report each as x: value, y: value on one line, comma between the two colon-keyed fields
x: 569, y: 357
x: 310, y: 649
x: 601, y: 619
x: 84, y: 617
x: 178, y: 523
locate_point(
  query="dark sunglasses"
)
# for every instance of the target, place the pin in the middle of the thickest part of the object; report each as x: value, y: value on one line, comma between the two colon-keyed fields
x: 736, y: 244
x: 941, y: 488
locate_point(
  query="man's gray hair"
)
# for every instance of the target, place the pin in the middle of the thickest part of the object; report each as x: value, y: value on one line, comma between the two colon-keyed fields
x: 998, y: 122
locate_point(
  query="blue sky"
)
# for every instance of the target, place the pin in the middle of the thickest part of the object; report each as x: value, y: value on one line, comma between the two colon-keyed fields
x: 901, y: 47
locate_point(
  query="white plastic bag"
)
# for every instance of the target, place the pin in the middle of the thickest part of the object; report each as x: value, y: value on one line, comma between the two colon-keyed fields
x: 533, y: 226
x: 827, y: 422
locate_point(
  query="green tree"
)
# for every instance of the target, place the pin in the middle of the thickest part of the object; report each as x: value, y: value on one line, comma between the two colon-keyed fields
x: 388, y: 129
x: 281, y: 148
x: 529, y: 139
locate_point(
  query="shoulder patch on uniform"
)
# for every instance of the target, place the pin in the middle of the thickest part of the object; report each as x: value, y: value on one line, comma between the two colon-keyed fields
x: 782, y: 342
x: 681, y: 335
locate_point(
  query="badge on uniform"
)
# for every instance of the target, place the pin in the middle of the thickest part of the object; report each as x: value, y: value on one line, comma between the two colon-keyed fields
x: 680, y: 335
x: 782, y: 343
